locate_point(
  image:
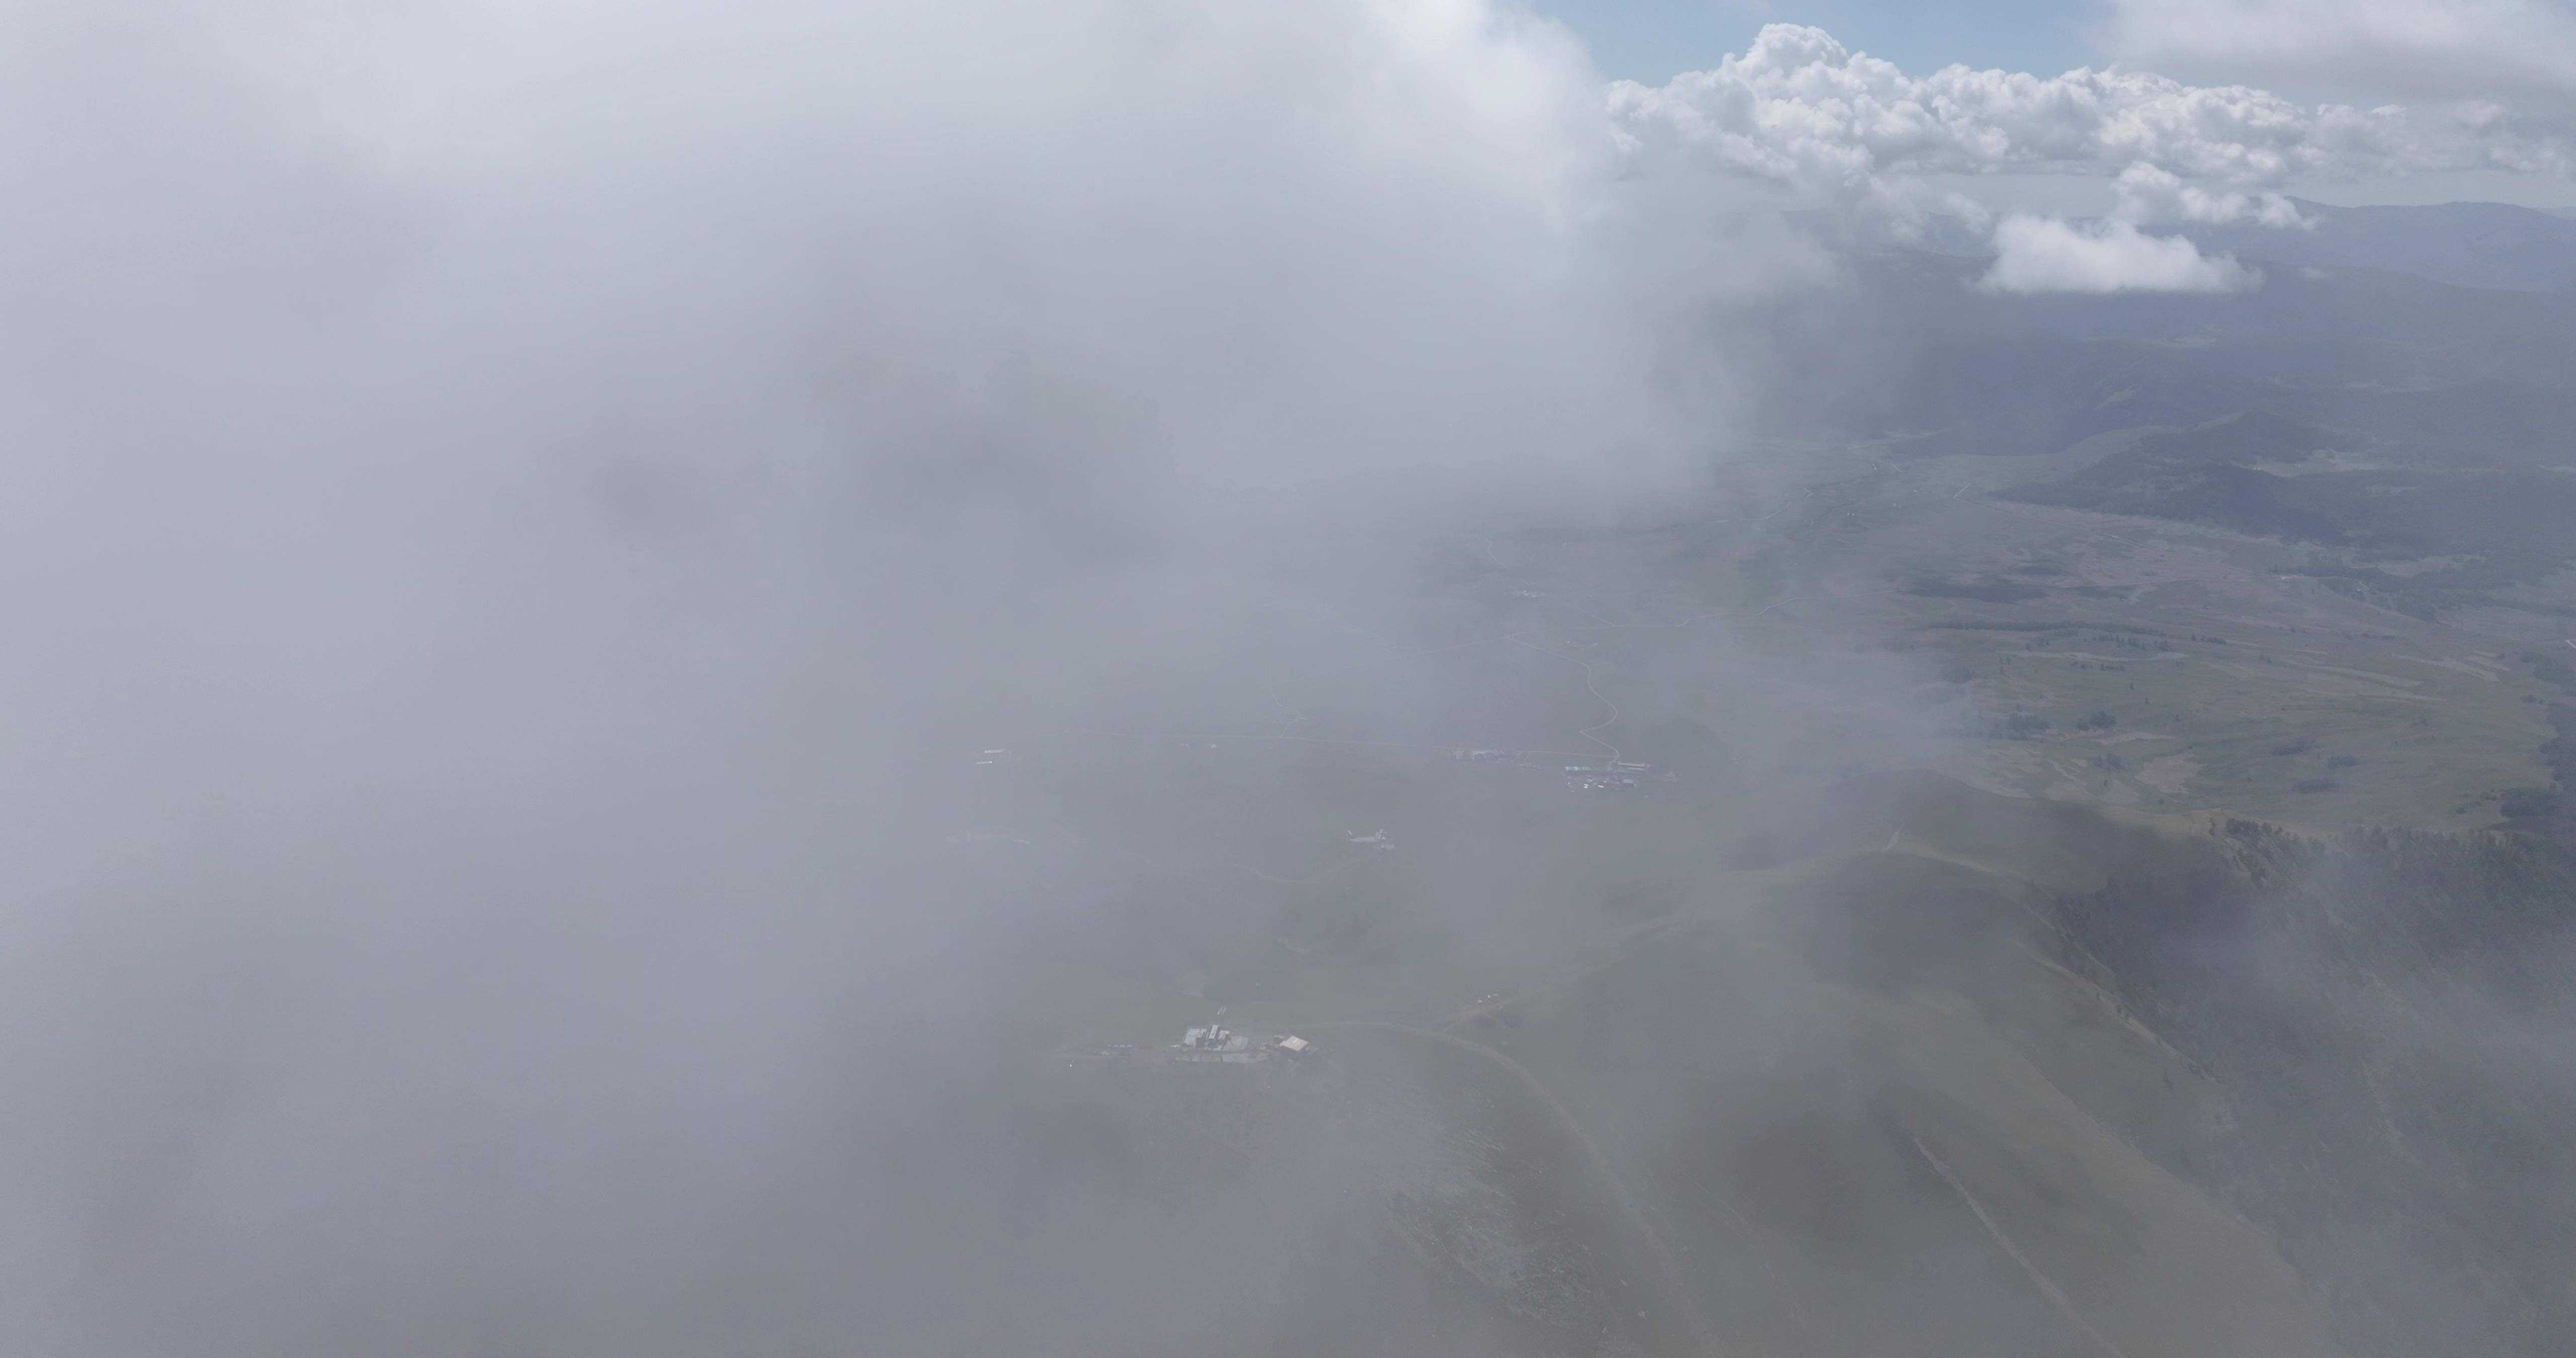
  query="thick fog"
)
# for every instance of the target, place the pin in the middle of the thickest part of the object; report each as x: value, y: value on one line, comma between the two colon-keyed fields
x: 512, y: 512
x: 618, y: 614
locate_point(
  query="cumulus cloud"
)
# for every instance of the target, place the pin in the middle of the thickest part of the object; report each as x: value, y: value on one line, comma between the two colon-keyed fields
x: 2472, y: 49
x: 1799, y: 110
x: 2148, y: 194
x: 2044, y: 254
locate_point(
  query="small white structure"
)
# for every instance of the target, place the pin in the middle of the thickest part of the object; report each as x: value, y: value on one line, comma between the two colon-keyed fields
x: 1213, y: 1043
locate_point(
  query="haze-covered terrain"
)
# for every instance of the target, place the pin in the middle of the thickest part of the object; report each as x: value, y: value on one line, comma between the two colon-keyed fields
x: 697, y: 682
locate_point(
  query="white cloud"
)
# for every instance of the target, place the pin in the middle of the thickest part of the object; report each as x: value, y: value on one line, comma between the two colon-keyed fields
x: 2044, y: 254
x: 2422, y: 48
x: 2148, y: 194
x: 1797, y: 107
x: 1799, y: 110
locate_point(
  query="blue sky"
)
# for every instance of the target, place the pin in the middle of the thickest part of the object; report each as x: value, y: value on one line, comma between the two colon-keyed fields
x: 1651, y: 40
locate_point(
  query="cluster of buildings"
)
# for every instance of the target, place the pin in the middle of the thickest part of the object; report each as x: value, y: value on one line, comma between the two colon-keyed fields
x: 1213, y: 1044
x: 1617, y: 776
x: 1221, y: 1044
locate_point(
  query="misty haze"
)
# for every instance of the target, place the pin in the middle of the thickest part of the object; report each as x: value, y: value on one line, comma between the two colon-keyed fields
x: 1354, y: 677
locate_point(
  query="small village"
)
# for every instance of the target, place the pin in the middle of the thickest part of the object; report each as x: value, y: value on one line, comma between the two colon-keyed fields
x: 1211, y: 1044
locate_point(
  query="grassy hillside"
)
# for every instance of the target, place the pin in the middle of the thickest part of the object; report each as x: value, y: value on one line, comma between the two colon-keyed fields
x: 1974, y: 1074
x: 2386, y: 1011
x: 1872, y: 1123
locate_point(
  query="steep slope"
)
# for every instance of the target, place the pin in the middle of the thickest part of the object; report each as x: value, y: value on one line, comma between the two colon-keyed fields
x: 2387, y: 1013
x: 1875, y: 1120
x: 2180, y: 1085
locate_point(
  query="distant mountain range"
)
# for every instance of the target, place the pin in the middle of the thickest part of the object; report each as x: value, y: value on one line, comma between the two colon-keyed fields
x: 2392, y: 330
x: 2472, y: 245
x: 2469, y: 245
x: 2426, y: 348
